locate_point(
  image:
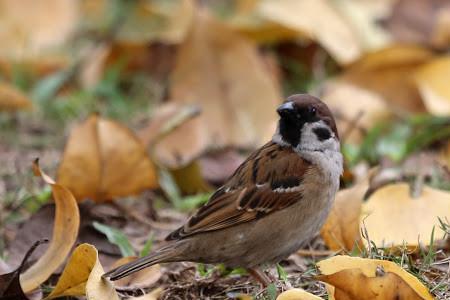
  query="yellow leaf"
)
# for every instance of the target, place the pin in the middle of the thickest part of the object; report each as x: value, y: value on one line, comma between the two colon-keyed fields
x: 354, y: 278
x: 291, y: 19
x: 29, y: 27
x: 432, y: 80
x: 392, y: 217
x: 82, y: 276
x: 341, y: 229
x: 12, y: 99
x: 390, y: 73
x: 297, y: 294
x: 103, y: 160
x: 189, y: 179
x: 223, y: 73
x: 65, y: 232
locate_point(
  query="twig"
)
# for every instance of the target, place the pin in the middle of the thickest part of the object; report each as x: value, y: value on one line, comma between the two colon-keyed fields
x: 312, y: 252
x: 136, y: 216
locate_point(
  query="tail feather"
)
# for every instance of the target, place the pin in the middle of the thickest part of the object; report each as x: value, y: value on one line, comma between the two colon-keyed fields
x: 166, y: 254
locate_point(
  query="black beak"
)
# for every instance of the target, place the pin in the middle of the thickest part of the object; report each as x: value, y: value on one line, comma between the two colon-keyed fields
x: 286, y: 109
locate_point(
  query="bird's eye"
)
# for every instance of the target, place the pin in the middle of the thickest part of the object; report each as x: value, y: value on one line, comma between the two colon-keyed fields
x: 312, y: 110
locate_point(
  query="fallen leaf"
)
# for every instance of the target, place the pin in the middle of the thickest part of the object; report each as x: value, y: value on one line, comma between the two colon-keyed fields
x: 221, y: 72
x: 65, y: 231
x: 355, y: 278
x: 28, y: 27
x: 432, y: 81
x: 416, y: 217
x: 341, y: 230
x: 297, y: 294
x: 356, y: 109
x: 37, y: 227
x: 10, y: 287
x: 390, y: 73
x: 167, y: 118
x: 441, y: 32
x: 153, y: 295
x: 364, y: 19
x: 104, y: 160
x: 292, y: 19
x: 141, y: 279
x: 82, y: 276
x: 420, y: 22
x: 219, y: 166
x: 12, y: 99
x: 189, y: 179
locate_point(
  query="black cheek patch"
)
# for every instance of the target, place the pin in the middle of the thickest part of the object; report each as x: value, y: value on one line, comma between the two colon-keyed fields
x: 322, y: 133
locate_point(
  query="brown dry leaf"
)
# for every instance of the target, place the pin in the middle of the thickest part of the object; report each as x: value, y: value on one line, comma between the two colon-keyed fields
x: 142, y: 279
x: 355, y: 278
x: 364, y: 19
x: 65, y: 231
x: 433, y: 82
x: 28, y: 27
x: 356, y: 110
x: 167, y: 118
x: 223, y: 73
x: 441, y: 34
x: 82, y: 276
x: 271, y: 19
x: 10, y: 287
x: 341, y: 229
x: 12, y: 99
x: 103, y: 160
x: 420, y: 22
x: 297, y: 294
x: 145, y: 20
x: 410, y: 220
x: 390, y: 73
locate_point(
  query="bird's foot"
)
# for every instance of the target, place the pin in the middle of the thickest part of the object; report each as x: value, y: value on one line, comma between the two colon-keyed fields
x: 260, y: 276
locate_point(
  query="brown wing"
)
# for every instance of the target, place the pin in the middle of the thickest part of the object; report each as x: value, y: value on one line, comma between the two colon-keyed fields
x: 269, y: 180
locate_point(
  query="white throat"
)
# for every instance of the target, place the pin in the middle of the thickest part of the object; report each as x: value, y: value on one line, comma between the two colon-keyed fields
x: 324, y: 153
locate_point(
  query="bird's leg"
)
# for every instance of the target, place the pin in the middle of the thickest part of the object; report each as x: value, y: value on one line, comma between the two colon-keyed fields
x: 260, y: 276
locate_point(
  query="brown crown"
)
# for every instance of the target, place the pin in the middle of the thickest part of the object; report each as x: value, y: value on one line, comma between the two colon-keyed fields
x: 322, y: 110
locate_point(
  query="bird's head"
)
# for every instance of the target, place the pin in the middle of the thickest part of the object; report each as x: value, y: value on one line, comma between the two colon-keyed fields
x: 306, y: 124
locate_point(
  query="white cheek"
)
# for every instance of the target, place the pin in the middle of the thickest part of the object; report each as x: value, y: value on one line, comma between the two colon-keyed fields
x: 310, y: 141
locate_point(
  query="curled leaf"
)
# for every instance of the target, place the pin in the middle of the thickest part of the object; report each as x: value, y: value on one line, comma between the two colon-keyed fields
x: 82, y: 276
x: 65, y: 232
x: 10, y: 288
x: 354, y: 278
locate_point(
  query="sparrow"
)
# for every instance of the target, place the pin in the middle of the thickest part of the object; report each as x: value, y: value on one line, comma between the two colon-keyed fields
x: 274, y: 202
